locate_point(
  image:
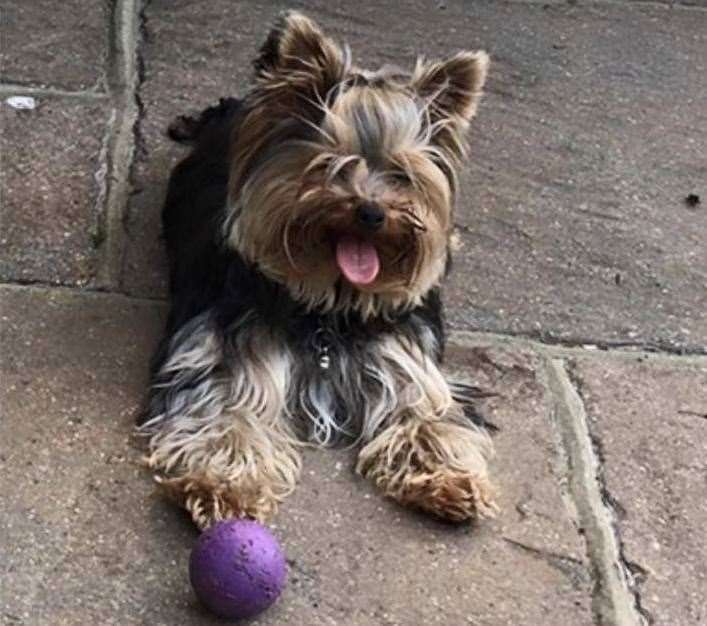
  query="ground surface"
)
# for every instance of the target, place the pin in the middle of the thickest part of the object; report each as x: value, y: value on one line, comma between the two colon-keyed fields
x: 579, y: 295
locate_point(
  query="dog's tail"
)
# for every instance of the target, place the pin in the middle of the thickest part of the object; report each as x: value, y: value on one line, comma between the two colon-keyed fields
x: 187, y: 128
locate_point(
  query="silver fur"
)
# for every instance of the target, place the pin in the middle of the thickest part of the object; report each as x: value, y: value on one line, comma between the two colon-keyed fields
x: 199, y: 383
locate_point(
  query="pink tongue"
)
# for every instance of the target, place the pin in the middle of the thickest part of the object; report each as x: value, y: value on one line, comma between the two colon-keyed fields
x: 357, y: 259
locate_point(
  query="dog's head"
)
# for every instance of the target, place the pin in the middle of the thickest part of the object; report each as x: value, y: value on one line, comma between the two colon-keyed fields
x: 343, y: 180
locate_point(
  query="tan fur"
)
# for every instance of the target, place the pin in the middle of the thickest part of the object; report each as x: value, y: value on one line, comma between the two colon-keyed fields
x: 249, y: 472
x: 291, y: 242
x: 427, y: 455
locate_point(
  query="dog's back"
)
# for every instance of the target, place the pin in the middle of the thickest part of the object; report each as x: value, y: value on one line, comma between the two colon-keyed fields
x: 196, y: 197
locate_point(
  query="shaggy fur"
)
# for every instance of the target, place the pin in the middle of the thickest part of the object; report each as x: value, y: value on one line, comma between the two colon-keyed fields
x: 269, y: 342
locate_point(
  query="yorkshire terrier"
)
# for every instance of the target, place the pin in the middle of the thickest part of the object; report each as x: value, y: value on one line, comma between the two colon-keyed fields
x: 308, y: 232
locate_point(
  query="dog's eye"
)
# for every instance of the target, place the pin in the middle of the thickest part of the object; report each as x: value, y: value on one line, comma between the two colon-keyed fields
x: 401, y: 177
x: 444, y: 167
x: 340, y: 175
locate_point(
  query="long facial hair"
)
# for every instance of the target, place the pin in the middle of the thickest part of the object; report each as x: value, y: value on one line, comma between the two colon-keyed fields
x: 323, y: 138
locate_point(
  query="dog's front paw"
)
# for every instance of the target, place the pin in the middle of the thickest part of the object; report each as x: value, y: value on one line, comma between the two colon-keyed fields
x: 436, y: 466
x: 210, y: 500
x: 449, y: 494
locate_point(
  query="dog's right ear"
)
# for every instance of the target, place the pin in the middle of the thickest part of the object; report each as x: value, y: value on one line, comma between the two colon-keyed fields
x: 298, y: 59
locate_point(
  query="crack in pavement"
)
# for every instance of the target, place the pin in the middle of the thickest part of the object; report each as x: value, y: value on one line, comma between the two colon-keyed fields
x: 574, y: 569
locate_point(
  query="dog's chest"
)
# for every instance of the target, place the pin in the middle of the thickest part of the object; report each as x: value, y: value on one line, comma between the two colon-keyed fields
x: 337, y: 386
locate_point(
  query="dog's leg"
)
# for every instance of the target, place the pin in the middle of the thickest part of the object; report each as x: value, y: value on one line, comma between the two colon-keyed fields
x: 219, y: 441
x: 424, y: 452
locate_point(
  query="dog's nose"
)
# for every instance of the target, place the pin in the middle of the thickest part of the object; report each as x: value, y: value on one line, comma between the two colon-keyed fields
x: 370, y: 216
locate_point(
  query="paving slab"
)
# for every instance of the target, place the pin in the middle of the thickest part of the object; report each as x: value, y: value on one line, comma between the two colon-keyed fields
x: 649, y: 422
x: 86, y: 541
x: 55, y: 45
x: 592, y: 133
x: 578, y: 226
x: 52, y: 180
x: 73, y: 372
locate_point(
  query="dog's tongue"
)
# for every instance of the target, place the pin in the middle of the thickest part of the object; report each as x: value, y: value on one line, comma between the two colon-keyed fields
x: 357, y: 259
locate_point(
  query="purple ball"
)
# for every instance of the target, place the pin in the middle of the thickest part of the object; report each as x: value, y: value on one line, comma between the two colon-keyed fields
x: 237, y: 568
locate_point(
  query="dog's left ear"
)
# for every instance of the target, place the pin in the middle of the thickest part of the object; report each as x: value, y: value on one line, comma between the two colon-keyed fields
x: 297, y: 58
x: 452, y: 88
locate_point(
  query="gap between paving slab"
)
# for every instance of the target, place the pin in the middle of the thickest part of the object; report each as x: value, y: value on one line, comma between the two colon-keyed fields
x: 460, y: 337
x: 120, y: 141
x: 584, y: 349
x: 614, y: 600
x: 667, y: 4
x: 11, y: 89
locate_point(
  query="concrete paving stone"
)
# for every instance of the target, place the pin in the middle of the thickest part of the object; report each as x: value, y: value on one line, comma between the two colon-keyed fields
x: 584, y: 155
x: 55, y: 45
x: 592, y: 133
x: 73, y: 373
x: 650, y: 426
x: 86, y: 541
x: 51, y: 182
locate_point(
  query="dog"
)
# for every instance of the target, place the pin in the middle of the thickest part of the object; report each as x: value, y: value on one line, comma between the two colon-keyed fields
x: 308, y: 233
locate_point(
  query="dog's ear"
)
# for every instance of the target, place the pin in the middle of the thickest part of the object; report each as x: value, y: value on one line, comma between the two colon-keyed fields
x: 452, y: 88
x: 298, y: 58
